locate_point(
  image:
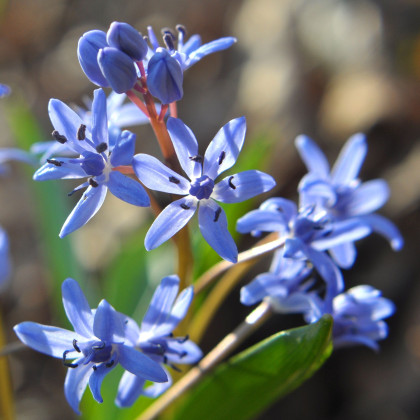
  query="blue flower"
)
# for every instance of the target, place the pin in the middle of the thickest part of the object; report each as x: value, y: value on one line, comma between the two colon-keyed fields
x: 342, y: 194
x: 201, y: 190
x: 4, y: 90
x: 96, y: 346
x: 358, y: 316
x: 96, y: 161
x: 155, y: 339
x: 5, y: 267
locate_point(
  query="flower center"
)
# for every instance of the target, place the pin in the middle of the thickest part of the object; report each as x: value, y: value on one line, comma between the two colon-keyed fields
x: 202, y: 187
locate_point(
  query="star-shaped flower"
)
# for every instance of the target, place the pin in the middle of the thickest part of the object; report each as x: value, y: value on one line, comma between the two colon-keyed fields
x: 97, y: 160
x: 200, y: 190
x: 96, y: 346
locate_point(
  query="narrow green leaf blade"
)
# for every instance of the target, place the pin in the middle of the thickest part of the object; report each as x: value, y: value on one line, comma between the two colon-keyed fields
x: 250, y: 382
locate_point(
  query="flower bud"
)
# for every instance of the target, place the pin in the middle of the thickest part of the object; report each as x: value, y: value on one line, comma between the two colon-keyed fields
x: 87, y: 52
x: 118, y: 68
x: 125, y: 38
x: 164, y: 77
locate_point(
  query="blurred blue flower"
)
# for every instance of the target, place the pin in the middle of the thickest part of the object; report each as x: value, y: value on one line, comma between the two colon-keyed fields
x: 201, y: 189
x: 5, y: 267
x: 96, y: 346
x: 4, y: 90
x: 342, y: 194
x: 155, y: 339
x: 97, y: 160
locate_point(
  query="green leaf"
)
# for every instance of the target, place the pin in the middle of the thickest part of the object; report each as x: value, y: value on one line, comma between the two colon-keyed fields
x: 250, y: 382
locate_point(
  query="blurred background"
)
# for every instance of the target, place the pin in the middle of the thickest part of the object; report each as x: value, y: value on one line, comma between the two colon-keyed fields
x: 326, y: 68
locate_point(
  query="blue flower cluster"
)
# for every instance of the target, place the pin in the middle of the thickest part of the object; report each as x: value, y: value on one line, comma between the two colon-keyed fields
x: 335, y: 210
x: 103, y: 338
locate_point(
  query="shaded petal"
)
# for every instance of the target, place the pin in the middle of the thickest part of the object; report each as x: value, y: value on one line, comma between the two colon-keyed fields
x: 266, y: 284
x: 123, y: 151
x: 185, y: 145
x: 350, y: 160
x: 154, y: 390
x: 261, y: 220
x: 96, y: 378
x: 49, y: 340
x: 99, y: 118
x: 370, y: 196
x: 129, y: 389
x: 127, y: 189
x: 223, y: 150
x: 91, y: 201
x: 107, y: 325
x: 156, y: 176
x: 139, y: 364
x: 128, y: 115
x: 77, y: 308
x: 213, y: 226
x: 246, y: 185
x: 386, y: 228
x: 8, y: 154
x: 344, y: 254
x: 313, y: 157
x: 75, y: 384
x: 278, y: 204
x: 194, y: 41
x: 172, y: 219
x: 312, y: 188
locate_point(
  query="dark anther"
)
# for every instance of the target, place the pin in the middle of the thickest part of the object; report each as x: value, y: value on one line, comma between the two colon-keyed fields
x: 217, y: 214
x: 126, y: 322
x: 174, y: 367
x: 185, y: 207
x: 57, y: 136
x: 197, y: 158
x: 222, y: 157
x: 280, y: 209
x: 182, y: 340
x: 76, y: 347
x: 231, y: 184
x: 99, y: 346
x: 183, y: 354
x: 174, y: 180
x: 54, y: 162
x: 169, y: 41
x: 160, y: 349
x: 94, y: 367
x: 81, y: 132
x: 165, y: 360
x: 181, y: 28
x: 101, y: 147
x: 109, y: 364
x: 70, y: 365
x: 168, y: 31
x: 93, y: 183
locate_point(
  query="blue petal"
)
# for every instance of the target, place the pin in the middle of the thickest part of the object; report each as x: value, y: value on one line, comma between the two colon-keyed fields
x: 129, y: 389
x: 123, y: 151
x: 67, y: 170
x: 223, y: 150
x: 213, y: 226
x: 183, y: 352
x: 87, y: 51
x: 193, y: 43
x: 312, y: 156
x: 311, y: 189
x: 156, y: 176
x: 77, y: 308
x: 350, y: 160
x: 139, y: 364
x: 107, y: 324
x: 370, y: 196
x: 185, y: 145
x: 260, y: 220
x: 242, y: 186
x: 209, y: 48
x: 128, y: 115
x: 158, y: 320
x: 96, y: 378
x: 182, y: 304
x: 5, y: 267
x: 99, y: 118
x: 19, y: 155
x: 49, y: 340
x: 127, y: 189
x: 172, y: 219
x: 118, y: 69
x: 127, y: 39
x: 75, y: 384
x: 155, y: 390
x: 386, y: 228
x: 91, y: 201
x: 164, y: 77
x: 344, y: 254
x: 287, y: 208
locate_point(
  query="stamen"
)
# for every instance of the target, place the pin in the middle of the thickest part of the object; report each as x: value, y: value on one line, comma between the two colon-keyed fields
x: 101, y: 147
x: 174, y: 180
x: 109, y: 364
x: 70, y: 365
x: 76, y: 347
x: 185, y: 207
x: 217, y: 214
x: 231, y: 184
x: 94, y: 367
x: 81, y: 132
x: 222, y: 157
x: 181, y: 28
x: 59, y: 137
x: 197, y: 158
x: 174, y: 367
x: 168, y: 40
x: 93, y: 183
x: 182, y: 340
x: 54, y: 162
